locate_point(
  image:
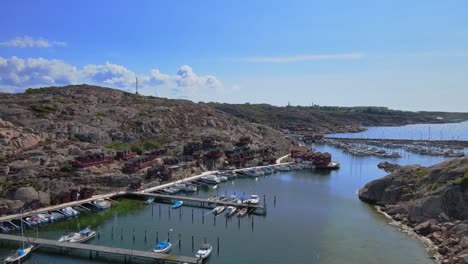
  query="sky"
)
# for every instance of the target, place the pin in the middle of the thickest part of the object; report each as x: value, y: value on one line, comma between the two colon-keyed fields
x: 409, y: 55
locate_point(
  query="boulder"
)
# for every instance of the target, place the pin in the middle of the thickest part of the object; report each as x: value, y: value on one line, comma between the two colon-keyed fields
x: 26, y: 194
x: 422, y: 227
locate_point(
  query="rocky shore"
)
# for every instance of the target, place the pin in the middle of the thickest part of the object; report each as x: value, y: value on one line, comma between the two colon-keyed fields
x: 431, y: 201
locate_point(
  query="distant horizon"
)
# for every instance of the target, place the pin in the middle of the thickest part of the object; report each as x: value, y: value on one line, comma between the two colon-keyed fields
x: 399, y: 54
x: 240, y: 103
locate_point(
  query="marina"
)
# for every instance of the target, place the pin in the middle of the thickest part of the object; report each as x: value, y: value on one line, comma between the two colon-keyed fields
x: 296, y: 197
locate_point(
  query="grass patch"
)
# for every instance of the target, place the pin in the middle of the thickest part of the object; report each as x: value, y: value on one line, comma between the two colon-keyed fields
x: 138, y: 147
x: 43, y: 108
x: 421, y: 173
x: 463, y: 181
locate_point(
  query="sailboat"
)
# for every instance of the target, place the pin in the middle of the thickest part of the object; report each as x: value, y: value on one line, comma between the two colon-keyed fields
x: 21, y: 253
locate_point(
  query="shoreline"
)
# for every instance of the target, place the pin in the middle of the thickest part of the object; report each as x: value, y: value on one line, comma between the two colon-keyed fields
x: 430, y: 247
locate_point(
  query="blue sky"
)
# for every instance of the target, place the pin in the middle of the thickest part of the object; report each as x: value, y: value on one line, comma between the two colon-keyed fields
x: 410, y: 55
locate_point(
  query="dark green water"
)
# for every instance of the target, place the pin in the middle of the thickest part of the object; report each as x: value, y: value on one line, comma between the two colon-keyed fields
x: 317, y: 219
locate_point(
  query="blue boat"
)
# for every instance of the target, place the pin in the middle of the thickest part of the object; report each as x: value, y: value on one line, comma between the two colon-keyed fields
x: 163, y: 247
x: 177, y: 204
x: 149, y: 201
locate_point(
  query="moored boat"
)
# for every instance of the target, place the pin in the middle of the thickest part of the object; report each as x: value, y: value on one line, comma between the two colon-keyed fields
x: 177, y: 204
x: 204, y: 251
x: 102, y: 204
x: 149, y: 201
x: 84, y: 235
x: 162, y: 247
x: 254, y: 199
x: 19, y: 255
x: 219, y: 209
x: 230, y: 211
x: 242, y: 212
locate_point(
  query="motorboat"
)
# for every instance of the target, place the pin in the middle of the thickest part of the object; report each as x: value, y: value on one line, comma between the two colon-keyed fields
x: 70, y: 212
x: 242, y: 212
x: 80, y: 237
x: 19, y: 255
x: 204, y: 251
x: 253, y: 199
x: 56, y: 216
x: 163, y: 247
x: 230, y: 211
x: 210, y: 179
x: 177, y: 204
x: 149, y: 201
x: 186, y: 187
x: 283, y: 168
x: 170, y: 190
x: 219, y: 209
x: 223, y: 178
x: 102, y: 204
x: 252, y: 173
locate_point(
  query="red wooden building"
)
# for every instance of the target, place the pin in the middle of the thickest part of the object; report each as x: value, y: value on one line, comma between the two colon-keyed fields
x: 159, y: 170
x: 135, y: 184
x: 92, y: 160
x: 136, y: 164
x: 86, y: 193
x: 124, y: 155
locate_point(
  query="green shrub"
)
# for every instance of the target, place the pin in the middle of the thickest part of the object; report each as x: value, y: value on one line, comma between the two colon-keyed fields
x: 463, y: 182
x: 420, y: 172
x: 43, y: 108
x: 67, y: 167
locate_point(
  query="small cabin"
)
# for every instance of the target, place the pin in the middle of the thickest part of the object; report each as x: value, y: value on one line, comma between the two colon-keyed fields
x: 86, y: 193
x: 135, y: 184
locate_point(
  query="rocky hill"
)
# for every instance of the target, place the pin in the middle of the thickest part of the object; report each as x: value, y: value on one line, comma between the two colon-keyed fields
x: 332, y: 119
x: 433, y: 200
x: 42, y: 130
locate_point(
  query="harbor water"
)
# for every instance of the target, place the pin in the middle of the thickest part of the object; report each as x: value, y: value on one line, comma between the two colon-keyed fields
x: 312, y: 217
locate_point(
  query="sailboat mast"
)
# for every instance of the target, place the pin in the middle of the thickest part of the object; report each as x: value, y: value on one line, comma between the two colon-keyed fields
x: 22, y: 228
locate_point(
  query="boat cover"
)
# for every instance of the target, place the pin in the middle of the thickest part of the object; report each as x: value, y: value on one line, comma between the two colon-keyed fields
x: 162, y: 245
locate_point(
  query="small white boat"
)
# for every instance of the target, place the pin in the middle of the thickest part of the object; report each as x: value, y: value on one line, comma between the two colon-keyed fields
x: 219, y: 209
x: 253, y: 199
x: 242, y: 212
x: 170, y: 190
x: 186, y: 187
x: 102, y: 204
x: 210, y: 179
x: 84, y: 235
x: 204, y: 251
x: 223, y: 178
x: 252, y: 173
x: 163, y: 247
x: 19, y: 255
x: 231, y: 210
x: 56, y: 216
x: 70, y: 212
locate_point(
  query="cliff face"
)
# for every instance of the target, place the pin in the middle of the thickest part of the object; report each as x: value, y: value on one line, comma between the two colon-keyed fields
x: 101, y: 116
x: 433, y: 200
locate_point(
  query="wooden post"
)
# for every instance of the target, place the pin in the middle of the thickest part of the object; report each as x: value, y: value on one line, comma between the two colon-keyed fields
x: 217, y: 239
x: 226, y: 221
x: 121, y: 233
x: 192, y: 215
x: 157, y: 237
x: 274, y: 201
x: 203, y: 218
x: 192, y: 243
x: 133, y: 234
x: 264, y: 199
x: 112, y: 233
x: 214, y: 220
x: 180, y: 241
x: 252, y: 223
x: 168, y: 238
x: 169, y: 210
x: 145, y: 235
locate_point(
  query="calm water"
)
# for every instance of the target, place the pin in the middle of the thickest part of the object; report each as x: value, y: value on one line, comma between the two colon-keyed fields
x: 317, y: 219
x: 451, y: 131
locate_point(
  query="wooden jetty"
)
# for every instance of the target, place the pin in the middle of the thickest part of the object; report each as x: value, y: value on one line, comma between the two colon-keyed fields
x: 201, y: 202
x: 127, y: 253
x: 60, y: 206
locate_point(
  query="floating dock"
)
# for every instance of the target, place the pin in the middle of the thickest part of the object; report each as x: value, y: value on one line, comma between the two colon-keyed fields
x: 100, y: 250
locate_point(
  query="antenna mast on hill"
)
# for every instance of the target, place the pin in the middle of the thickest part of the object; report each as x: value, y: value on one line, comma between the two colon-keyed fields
x: 136, y: 85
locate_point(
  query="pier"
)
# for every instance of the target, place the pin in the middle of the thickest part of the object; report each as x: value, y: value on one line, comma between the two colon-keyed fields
x: 203, y: 203
x: 454, y: 143
x: 99, y: 250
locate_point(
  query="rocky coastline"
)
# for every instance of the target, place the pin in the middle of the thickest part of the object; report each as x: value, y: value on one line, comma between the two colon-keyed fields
x: 429, y: 202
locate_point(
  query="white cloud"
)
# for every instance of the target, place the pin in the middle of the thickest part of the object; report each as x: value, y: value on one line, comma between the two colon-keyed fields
x: 18, y: 72
x: 29, y: 42
x: 298, y: 58
x: 189, y: 84
x: 109, y: 74
x: 22, y: 73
